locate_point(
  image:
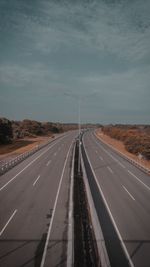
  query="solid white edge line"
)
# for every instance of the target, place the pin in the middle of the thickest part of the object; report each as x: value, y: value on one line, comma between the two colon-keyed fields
x: 29, y: 165
x: 133, y: 162
x: 36, y: 180
x: 110, y: 214
x: 8, y: 222
x: 102, y: 251
x: 139, y: 180
x: 128, y: 192
x: 54, y: 209
x: 70, y: 247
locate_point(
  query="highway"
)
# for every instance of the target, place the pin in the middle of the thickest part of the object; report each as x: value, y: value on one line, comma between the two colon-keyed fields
x: 34, y: 198
x: 126, y: 194
x: 34, y: 204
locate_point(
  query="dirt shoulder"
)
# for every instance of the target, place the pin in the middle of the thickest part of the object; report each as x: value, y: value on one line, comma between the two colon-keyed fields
x: 21, y: 146
x: 120, y: 147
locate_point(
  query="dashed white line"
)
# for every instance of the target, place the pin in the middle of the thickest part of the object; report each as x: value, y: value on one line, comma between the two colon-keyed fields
x: 110, y: 154
x: 128, y: 192
x: 54, y: 209
x: 29, y: 165
x: 121, y: 164
x: 36, y: 180
x: 96, y: 151
x: 139, y: 180
x: 55, y: 153
x: 110, y: 169
x: 48, y: 162
x: 100, y: 158
x: 8, y: 222
x: 108, y: 209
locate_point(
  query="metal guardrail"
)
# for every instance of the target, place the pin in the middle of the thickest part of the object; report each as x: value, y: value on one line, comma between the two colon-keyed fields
x: 134, y: 162
x: 15, y: 161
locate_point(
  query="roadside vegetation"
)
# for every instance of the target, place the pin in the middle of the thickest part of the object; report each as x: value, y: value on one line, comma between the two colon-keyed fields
x: 136, y: 138
x: 13, y: 130
x: 17, y: 137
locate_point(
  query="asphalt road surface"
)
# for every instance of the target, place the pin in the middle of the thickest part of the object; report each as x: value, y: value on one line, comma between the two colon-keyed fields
x: 34, y: 207
x: 126, y: 190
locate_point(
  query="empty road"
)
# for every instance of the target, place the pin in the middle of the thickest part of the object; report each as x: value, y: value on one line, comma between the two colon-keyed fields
x: 34, y: 199
x: 126, y: 191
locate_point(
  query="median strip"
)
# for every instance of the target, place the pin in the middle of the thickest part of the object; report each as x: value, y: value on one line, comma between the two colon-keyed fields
x: 85, y: 247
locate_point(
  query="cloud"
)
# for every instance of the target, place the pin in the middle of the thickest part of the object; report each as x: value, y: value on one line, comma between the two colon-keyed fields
x: 119, y: 28
x: 127, y: 90
x: 98, y: 48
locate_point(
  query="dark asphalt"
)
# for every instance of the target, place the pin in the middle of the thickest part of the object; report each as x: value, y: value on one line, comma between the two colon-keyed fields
x: 27, y: 198
x: 127, y: 193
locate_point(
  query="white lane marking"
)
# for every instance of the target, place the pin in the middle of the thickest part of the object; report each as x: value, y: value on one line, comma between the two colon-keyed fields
x: 70, y: 216
x: 96, y: 151
x: 48, y: 162
x: 110, y: 214
x: 54, y: 210
x: 55, y: 153
x: 109, y: 154
x: 128, y: 192
x: 110, y: 169
x: 36, y: 180
x: 139, y: 180
x: 101, y: 158
x: 121, y: 164
x: 28, y: 165
x: 8, y: 222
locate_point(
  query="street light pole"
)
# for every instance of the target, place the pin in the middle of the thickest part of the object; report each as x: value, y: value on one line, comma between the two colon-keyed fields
x: 79, y: 127
x: 79, y: 98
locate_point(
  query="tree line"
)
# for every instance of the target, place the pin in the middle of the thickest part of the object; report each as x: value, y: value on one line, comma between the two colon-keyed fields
x: 12, y: 130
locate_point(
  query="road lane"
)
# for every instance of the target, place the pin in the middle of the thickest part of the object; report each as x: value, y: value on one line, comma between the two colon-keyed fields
x: 49, y: 259
x: 131, y: 217
x: 22, y: 243
x: 16, y: 191
x: 121, y: 161
x: 35, y: 159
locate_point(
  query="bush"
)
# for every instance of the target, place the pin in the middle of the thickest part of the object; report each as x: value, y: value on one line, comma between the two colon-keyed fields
x: 136, y: 139
x: 6, y: 133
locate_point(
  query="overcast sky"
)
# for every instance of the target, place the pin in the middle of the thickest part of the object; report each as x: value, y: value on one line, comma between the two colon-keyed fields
x: 53, y: 52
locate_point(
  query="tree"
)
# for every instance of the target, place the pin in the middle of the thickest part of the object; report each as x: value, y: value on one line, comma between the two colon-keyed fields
x: 6, y: 133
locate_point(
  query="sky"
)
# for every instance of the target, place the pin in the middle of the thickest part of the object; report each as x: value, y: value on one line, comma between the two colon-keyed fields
x: 55, y: 54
